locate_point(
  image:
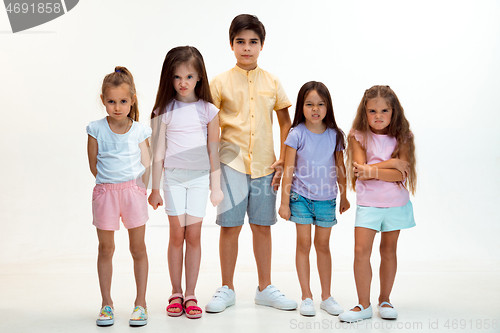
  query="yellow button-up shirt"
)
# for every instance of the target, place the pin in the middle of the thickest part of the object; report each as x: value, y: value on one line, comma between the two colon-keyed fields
x: 246, y: 100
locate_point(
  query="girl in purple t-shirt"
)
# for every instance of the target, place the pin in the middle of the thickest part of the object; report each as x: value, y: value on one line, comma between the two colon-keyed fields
x: 381, y: 160
x: 314, y: 165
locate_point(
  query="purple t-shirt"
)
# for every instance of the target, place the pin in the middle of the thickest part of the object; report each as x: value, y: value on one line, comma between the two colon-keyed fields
x: 315, y: 175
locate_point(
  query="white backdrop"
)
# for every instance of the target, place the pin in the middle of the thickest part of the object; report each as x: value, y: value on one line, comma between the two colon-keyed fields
x: 440, y: 57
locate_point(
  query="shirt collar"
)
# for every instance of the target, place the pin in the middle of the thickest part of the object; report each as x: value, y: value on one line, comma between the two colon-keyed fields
x: 244, y: 71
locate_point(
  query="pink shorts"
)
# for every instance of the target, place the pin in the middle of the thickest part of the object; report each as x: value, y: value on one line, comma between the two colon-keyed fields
x: 126, y: 200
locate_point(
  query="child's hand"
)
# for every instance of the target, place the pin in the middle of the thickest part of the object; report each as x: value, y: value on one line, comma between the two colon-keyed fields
x: 363, y: 172
x: 284, y: 212
x: 344, y: 205
x: 155, y: 199
x: 278, y: 168
x: 402, y: 166
x: 216, y: 197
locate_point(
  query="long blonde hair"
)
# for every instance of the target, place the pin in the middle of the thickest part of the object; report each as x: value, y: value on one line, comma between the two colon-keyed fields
x: 399, y: 128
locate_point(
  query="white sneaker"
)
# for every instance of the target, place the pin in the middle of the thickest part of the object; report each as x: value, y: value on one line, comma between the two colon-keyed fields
x: 271, y: 296
x: 331, y: 306
x: 307, y: 307
x: 387, y: 313
x: 354, y: 316
x: 222, y: 298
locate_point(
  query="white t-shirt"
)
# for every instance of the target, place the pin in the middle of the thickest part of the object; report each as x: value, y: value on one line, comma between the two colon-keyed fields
x: 186, y: 134
x: 118, y: 155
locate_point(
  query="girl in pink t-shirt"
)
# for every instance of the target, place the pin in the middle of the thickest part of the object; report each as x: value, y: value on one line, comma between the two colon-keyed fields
x: 185, y: 146
x: 381, y: 161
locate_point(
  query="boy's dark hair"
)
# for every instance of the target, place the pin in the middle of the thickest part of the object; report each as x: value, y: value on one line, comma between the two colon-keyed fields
x: 246, y: 22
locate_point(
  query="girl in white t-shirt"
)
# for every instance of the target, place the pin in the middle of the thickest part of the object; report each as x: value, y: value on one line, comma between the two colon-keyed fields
x: 118, y: 152
x: 185, y: 145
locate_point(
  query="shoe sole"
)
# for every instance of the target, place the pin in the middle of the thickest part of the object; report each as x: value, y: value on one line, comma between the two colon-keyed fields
x: 266, y: 303
x: 195, y: 316
x: 105, y: 322
x: 231, y: 303
x: 389, y: 317
x: 137, y: 322
x: 174, y: 314
x: 333, y: 313
x: 353, y: 320
x: 308, y: 314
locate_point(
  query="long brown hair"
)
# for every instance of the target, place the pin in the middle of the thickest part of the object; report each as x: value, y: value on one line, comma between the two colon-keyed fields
x: 329, y: 119
x: 174, y: 58
x: 399, y: 128
x: 120, y: 76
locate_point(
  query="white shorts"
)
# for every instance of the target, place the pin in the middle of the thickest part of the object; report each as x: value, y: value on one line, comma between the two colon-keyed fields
x: 186, y: 191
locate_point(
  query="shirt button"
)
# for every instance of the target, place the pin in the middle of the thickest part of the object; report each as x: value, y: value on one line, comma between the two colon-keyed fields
x: 251, y: 98
x: 252, y: 116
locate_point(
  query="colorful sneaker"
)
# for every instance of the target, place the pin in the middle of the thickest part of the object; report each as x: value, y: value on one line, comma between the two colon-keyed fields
x: 139, y: 316
x: 271, y: 296
x: 222, y: 298
x: 307, y: 307
x: 106, y: 317
x: 331, y: 306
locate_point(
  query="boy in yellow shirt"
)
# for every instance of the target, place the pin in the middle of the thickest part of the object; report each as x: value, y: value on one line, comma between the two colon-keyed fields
x: 246, y: 96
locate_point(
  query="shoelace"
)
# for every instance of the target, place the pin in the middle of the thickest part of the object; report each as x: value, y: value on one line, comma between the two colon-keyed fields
x: 331, y: 301
x: 307, y: 302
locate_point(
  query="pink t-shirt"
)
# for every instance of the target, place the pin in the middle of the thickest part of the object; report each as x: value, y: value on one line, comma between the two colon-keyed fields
x: 186, y: 134
x: 375, y: 192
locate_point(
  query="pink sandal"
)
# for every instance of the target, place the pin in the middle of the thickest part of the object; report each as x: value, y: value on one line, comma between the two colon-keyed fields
x: 192, y: 308
x: 175, y: 305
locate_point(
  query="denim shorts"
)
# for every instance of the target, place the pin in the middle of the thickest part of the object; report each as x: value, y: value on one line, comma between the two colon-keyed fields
x: 385, y: 219
x: 243, y: 194
x: 317, y: 212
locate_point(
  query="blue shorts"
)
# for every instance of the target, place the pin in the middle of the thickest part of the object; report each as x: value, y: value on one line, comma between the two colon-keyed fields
x: 243, y: 194
x: 385, y: 219
x: 318, y: 212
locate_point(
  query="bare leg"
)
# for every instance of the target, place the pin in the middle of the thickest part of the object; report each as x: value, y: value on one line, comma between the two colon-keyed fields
x: 140, y: 256
x: 324, y: 258
x: 105, y: 264
x: 262, y: 250
x: 228, y: 253
x: 363, y: 239
x: 388, y: 264
x: 175, y: 255
x: 302, y: 258
x: 193, y: 256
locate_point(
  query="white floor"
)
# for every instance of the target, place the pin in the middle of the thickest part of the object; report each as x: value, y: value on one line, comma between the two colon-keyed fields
x: 61, y: 294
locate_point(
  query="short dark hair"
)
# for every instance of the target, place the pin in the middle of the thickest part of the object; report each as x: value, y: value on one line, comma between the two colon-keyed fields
x: 246, y: 22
